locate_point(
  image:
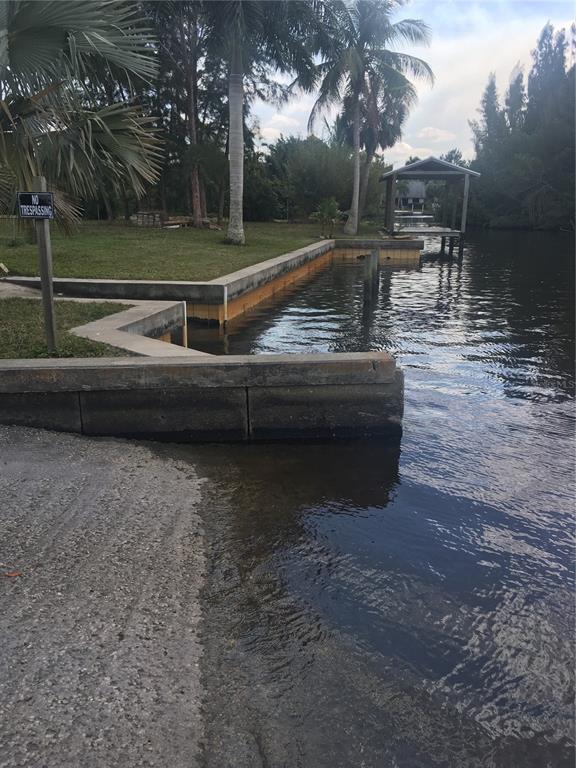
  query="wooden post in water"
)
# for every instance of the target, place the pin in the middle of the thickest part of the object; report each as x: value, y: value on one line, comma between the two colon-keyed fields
x: 464, y: 215
x: 442, y: 245
x: 45, y: 268
x: 454, y: 206
x: 390, y: 204
x: 465, y: 204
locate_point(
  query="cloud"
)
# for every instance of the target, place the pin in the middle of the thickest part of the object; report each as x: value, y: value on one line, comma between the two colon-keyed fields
x: 270, y: 134
x: 281, y: 123
x: 402, y: 150
x: 466, y: 46
x: 435, y: 134
x: 300, y: 106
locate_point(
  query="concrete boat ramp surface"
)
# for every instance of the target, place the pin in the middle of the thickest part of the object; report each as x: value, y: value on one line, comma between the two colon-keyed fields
x: 102, y: 561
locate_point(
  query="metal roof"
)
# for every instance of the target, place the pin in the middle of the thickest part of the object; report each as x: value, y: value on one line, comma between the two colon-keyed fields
x: 430, y: 168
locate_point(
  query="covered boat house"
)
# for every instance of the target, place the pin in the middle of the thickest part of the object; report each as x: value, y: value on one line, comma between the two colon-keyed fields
x: 430, y: 169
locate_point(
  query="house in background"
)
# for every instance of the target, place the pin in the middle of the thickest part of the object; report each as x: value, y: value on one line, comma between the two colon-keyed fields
x: 410, y: 196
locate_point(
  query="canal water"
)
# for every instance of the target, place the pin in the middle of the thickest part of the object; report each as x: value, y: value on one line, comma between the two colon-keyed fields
x: 405, y: 604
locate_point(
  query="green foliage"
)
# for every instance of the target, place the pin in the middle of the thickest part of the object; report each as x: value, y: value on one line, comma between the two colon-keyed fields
x: 455, y: 157
x: 327, y: 214
x: 261, y: 199
x: 525, y: 149
x: 516, y: 101
x: 306, y: 171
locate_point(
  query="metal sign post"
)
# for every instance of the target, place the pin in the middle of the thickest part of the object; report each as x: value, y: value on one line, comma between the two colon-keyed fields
x: 39, y: 205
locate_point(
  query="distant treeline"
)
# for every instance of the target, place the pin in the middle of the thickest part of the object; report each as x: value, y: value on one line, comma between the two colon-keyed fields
x: 525, y: 143
x: 524, y: 138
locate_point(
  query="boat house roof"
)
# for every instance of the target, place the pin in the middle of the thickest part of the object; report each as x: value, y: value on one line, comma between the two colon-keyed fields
x: 428, y: 169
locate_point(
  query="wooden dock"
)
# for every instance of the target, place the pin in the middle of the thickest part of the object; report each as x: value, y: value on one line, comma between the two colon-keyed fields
x: 427, y: 231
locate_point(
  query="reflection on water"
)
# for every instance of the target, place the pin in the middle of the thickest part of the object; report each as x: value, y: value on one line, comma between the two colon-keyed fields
x: 377, y: 604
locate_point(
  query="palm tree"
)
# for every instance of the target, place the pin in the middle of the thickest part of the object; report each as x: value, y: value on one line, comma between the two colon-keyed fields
x: 53, y: 57
x: 361, y: 63
x: 273, y: 34
x: 384, y: 108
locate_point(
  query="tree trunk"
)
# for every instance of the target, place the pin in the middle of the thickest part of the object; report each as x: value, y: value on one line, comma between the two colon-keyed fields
x: 351, y: 227
x: 203, y: 211
x: 192, y: 123
x: 108, y: 206
x: 126, y: 205
x: 221, y: 202
x: 236, y: 147
x: 364, y: 184
x: 163, y: 192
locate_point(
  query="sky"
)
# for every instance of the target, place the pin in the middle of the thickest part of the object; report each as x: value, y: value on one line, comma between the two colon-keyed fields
x: 470, y: 39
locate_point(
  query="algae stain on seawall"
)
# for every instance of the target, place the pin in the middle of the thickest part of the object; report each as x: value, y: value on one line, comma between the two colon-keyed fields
x: 406, y: 603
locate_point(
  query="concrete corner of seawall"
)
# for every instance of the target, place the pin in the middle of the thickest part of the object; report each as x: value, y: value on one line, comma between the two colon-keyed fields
x: 130, y: 330
x: 252, y: 277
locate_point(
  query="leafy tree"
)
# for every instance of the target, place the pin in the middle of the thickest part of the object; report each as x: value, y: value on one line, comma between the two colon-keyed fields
x: 516, y: 100
x: 490, y: 130
x: 455, y: 157
x: 261, y: 199
x: 548, y: 69
x: 181, y: 30
x: 525, y: 151
x: 306, y: 171
x: 48, y: 124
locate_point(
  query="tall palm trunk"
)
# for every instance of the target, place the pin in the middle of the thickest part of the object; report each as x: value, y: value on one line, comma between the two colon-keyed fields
x: 236, y: 146
x: 351, y: 227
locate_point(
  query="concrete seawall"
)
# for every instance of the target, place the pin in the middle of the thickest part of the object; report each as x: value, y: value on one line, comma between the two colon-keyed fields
x: 207, y: 398
x: 176, y: 392
x: 224, y: 298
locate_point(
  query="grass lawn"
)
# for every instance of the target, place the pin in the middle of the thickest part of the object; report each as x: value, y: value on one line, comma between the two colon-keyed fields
x: 102, y: 250
x: 22, y: 328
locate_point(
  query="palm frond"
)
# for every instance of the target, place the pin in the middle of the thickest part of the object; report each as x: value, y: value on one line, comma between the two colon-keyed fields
x: 49, y: 50
x: 410, y: 30
x: 47, y: 40
x: 78, y: 151
x: 389, y: 62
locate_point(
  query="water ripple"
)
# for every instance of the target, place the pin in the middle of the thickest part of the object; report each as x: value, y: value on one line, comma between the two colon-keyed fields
x: 410, y: 604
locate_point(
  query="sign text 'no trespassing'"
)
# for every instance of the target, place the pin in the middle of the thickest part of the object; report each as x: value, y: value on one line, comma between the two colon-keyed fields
x: 36, y: 205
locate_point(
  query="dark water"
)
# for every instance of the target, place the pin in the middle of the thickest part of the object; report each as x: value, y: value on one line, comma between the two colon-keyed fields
x: 409, y: 604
